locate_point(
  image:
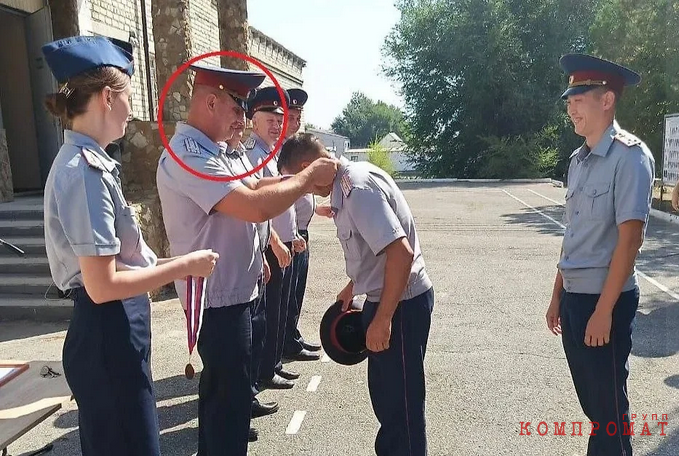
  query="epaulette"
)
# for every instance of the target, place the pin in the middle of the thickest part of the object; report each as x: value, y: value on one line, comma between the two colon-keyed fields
x: 91, y: 159
x: 346, y: 184
x: 627, y: 138
x: 191, y: 146
x: 250, y: 143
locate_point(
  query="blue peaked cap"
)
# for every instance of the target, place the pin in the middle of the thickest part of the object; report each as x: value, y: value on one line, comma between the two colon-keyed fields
x: 267, y: 99
x: 72, y: 56
x: 586, y: 72
x: 297, y: 98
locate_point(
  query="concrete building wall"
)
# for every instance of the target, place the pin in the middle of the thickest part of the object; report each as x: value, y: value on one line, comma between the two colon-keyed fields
x: 337, y: 143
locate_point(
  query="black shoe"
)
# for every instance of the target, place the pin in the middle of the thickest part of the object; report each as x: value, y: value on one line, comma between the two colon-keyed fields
x: 304, y: 355
x: 313, y: 347
x: 267, y: 408
x: 288, y: 375
x: 277, y: 382
x: 253, y: 435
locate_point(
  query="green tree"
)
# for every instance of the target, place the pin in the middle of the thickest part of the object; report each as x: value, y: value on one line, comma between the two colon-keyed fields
x: 644, y: 36
x: 363, y: 120
x: 480, y: 72
x: 379, y: 156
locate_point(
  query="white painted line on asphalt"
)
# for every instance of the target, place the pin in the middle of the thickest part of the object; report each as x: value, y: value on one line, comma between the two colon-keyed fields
x: 313, y: 383
x: 659, y: 285
x: 325, y: 359
x: 543, y: 196
x: 535, y: 210
x: 295, y: 422
x: 650, y: 280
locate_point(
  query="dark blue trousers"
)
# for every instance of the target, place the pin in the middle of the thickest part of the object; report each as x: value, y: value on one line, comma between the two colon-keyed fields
x: 224, y: 392
x: 396, y: 378
x: 293, y: 338
x: 276, y: 308
x: 106, y: 359
x: 258, y: 318
x: 600, y: 373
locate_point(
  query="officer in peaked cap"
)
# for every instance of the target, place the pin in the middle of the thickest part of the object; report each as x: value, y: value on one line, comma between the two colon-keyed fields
x: 93, y: 241
x: 298, y: 98
x: 596, y: 292
x: 342, y: 333
x: 222, y: 215
x: 266, y: 112
x: 295, y: 347
x: 267, y: 99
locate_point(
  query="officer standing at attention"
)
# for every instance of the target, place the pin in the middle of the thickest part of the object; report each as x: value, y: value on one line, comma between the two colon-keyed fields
x: 266, y: 112
x: 97, y: 255
x: 383, y: 260
x: 294, y: 346
x: 596, y: 292
x: 236, y: 152
x: 223, y: 215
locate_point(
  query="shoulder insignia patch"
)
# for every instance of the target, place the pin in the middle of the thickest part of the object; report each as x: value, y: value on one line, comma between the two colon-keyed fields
x: 346, y: 184
x: 627, y: 139
x: 91, y: 159
x: 250, y: 143
x: 191, y: 146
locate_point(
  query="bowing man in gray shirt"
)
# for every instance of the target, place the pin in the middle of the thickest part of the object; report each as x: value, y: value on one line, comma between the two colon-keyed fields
x: 223, y: 215
x: 383, y: 260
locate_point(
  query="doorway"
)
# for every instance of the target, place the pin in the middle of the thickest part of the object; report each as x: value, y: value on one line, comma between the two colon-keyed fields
x: 33, y: 136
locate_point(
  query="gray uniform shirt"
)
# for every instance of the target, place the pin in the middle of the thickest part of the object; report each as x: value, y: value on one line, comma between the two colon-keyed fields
x: 304, y: 211
x: 285, y: 224
x: 607, y: 186
x: 192, y: 224
x: 86, y: 213
x: 371, y: 213
x: 264, y: 228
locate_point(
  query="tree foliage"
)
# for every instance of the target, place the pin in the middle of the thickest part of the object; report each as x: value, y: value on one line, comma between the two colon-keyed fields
x: 379, y: 156
x: 643, y: 35
x: 364, y: 120
x: 482, y: 83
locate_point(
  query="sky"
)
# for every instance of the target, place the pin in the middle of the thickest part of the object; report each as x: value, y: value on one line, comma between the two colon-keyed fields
x: 340, y: 40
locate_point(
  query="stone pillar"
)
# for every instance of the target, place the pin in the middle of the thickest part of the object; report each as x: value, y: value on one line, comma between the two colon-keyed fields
x: 172, y: 40
x: 234, y: 31
x: 64, y: 18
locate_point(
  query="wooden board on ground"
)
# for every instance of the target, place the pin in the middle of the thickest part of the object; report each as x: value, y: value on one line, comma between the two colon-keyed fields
x: 30, y: 397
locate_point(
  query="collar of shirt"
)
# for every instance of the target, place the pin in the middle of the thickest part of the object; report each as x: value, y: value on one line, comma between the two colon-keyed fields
x: 81, y: 141
x: 337, y: 196
x: 260, y: 143
x: 604, y: 144
x: 602, y: 147
x: 201, y: 138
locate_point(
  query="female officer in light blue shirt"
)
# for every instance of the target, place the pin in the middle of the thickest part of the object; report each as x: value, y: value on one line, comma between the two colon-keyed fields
x: 97, y: 255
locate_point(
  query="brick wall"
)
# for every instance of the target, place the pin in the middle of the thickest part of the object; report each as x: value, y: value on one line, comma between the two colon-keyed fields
x: 286, y: 67
x: 117, y: 19
x: 205, y: 29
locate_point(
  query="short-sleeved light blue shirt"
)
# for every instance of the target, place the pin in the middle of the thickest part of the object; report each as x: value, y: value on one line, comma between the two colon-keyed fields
x: 191, y: 223
x: 607, y: 186
x: 86, y: 213
x: 371, y: 212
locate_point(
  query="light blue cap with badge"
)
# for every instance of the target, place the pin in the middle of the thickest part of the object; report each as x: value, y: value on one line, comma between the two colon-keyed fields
x: 72, y: 56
